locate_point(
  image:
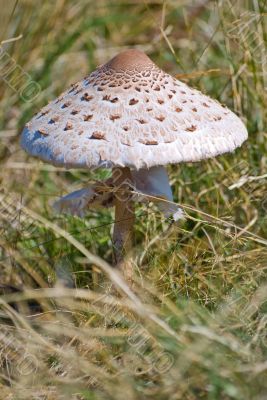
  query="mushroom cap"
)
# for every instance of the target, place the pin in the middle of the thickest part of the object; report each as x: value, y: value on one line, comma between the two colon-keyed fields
x: 130, y: 113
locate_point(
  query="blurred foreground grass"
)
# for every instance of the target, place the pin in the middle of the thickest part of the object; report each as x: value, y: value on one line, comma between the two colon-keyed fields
x: 194, y: 326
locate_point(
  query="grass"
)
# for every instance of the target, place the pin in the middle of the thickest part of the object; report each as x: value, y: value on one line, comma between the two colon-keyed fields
x: 194, y: 324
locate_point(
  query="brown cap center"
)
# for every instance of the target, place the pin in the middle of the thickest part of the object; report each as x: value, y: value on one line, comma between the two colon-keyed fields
x: 129, y: 60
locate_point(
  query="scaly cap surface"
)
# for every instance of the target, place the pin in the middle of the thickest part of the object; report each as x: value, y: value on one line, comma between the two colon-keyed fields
x: 129, y: 113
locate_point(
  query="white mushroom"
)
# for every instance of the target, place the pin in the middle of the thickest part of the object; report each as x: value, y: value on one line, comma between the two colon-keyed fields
x: 134, y: 118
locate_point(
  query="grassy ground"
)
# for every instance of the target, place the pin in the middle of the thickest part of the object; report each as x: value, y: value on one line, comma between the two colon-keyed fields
x: 194, y: 325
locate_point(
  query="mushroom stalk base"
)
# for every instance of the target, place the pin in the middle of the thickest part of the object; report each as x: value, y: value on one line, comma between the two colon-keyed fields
x: 124, y: 214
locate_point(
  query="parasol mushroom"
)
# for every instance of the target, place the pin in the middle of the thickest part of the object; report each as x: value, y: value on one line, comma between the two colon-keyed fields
x: 130, y: 116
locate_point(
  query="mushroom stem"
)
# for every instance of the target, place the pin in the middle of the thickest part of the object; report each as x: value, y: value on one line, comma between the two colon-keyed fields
x: 124, y: 213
